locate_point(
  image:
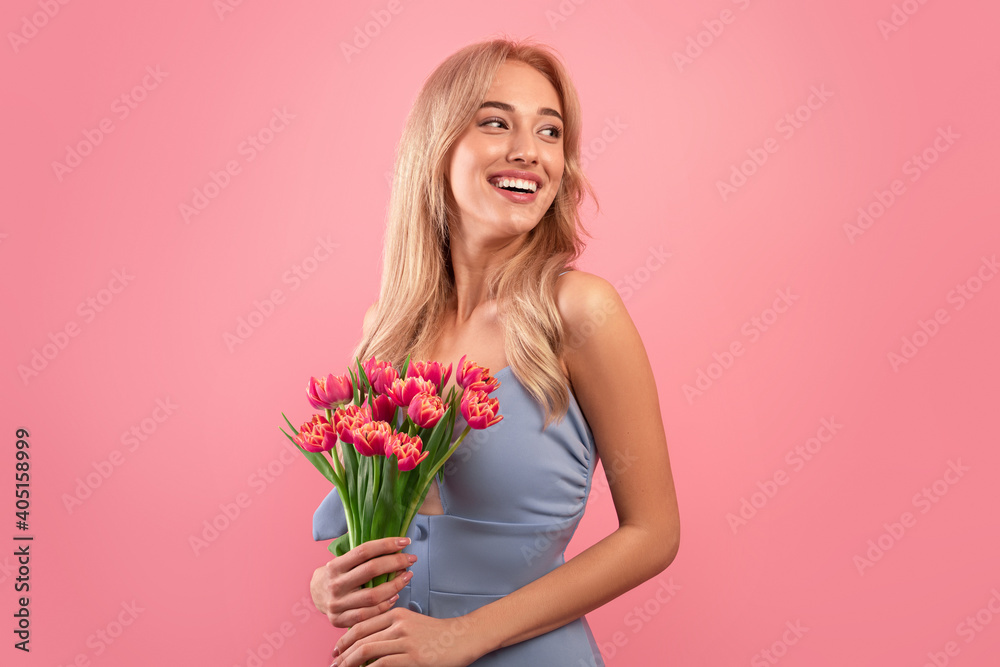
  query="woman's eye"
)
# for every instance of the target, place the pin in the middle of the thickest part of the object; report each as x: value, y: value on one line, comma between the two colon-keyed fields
x: 499, y: 122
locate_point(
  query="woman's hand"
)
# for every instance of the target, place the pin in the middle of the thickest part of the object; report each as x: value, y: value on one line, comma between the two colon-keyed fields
x: 336, y: 587
x: 402, y: 638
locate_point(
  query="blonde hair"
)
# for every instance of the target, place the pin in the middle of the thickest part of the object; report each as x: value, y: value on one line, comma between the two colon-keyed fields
x: 417, y: 277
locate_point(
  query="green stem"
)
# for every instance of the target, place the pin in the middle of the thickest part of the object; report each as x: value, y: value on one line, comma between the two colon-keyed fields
x: 415, y: 505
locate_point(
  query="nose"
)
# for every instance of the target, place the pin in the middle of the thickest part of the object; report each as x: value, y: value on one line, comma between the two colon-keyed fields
x: 523, y: 146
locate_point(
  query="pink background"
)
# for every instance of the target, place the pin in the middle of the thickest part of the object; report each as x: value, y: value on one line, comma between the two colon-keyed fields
x: 662, y: 135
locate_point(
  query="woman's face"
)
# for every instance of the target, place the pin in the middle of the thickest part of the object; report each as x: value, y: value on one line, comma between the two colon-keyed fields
x: 518, y: 128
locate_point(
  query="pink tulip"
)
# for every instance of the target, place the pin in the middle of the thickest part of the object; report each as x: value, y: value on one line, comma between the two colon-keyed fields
x: 402, y: 391
x: 316, y: 435
x: 380, y: 374
x: 473, y: 376
x: 468, y: 372
x: 479, y: 410
x: 330, y: 392
x: 383, y: 409
x: 486, y: 384
x: 407, y: 451
x: 426, y: 410
x: 346, y: 419
x: 432, y: 371
x: 370, y: 439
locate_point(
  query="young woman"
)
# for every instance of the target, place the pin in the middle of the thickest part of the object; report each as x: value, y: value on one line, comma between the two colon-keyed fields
x: 483, y: 227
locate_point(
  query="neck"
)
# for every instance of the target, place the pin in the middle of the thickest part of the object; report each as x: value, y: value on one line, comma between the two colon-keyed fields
x: 471, y: 261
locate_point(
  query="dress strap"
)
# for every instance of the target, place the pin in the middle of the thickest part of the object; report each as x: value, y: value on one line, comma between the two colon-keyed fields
x: 565, y: 272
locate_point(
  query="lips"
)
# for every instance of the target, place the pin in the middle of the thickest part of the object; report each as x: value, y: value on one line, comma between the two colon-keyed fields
x: 516, y: 197
x: 513, y: 175
x: 514, y: 185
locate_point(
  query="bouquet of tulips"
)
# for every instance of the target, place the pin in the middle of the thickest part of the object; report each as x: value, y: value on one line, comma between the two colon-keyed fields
x: 385, y: 434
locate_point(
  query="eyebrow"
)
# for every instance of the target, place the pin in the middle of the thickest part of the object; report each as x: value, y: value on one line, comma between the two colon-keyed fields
x: 545, y: 111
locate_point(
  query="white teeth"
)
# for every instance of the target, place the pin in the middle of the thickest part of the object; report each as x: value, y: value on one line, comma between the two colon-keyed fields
x: 516, y: 183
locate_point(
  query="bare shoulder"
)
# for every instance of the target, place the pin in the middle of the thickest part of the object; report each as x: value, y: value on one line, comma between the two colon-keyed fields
x: 586, y: 303
x: 599, y: 335
x: 585, y: 300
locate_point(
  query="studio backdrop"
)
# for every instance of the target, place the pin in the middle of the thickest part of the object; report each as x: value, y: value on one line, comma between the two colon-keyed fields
x: 795, y: 206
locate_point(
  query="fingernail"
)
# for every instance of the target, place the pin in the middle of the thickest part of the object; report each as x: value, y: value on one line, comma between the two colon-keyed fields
x: 407, y: 576
x: 393, y: 598
x: 403, y: 541
x: 336, y: 651
x: 412, y: 557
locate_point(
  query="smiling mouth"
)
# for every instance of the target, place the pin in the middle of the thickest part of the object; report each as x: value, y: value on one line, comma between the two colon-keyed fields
x: 515, y: 185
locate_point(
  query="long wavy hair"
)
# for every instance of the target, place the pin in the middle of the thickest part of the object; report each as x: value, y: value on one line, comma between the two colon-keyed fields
x: 417, y: 277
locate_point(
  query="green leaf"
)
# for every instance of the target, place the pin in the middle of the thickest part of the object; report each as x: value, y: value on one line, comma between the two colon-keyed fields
x: 341, y: 545
x: 354, y: 385
x: 406, y: 366
x: 289, y: 425
x: 386, y: 521
x: 319, y: 462
x: 444, y: 426
x: 367, y: 499
x: 351, y: 482
x: 362, y: 378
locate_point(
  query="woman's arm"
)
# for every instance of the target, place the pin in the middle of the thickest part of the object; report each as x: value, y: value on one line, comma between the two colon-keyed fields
x: 614, y: 386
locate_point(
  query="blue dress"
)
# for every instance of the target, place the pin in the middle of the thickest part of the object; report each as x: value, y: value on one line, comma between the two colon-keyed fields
x: 512, y: 496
